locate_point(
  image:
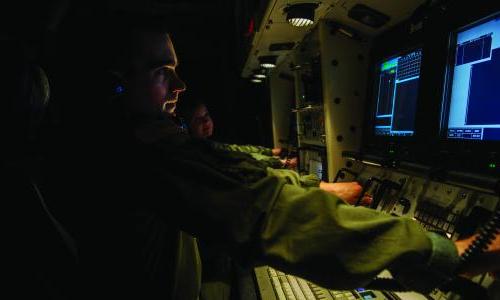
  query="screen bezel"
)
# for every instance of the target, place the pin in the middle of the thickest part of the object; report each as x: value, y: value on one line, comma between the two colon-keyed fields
x: 448, y: 81
x: 375, y: 91
x: 462, y: 154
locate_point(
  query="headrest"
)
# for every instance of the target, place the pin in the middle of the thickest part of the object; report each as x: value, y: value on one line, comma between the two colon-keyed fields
x: 24, y: 98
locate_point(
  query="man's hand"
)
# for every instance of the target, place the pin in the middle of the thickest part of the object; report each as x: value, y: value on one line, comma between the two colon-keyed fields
x: 292, y: 163
x: 347, y: 191
x: 289, y: 163
x: 276, y: 151
x: 489, y: 261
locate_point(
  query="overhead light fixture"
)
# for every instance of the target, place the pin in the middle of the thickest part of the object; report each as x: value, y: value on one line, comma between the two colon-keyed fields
x: 300, y: 14
x: 268, y: 61
x: 259, y: 73
x: 256, y: 80
x: 347, y: 31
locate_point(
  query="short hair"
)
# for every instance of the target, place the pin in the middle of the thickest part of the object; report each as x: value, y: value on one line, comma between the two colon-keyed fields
x: 123, y: 38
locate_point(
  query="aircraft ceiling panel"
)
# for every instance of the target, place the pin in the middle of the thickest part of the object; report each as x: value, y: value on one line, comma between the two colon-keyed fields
x: 275, y: 29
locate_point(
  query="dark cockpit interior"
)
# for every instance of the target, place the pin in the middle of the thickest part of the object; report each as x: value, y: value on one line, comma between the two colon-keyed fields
x: 390, y: 105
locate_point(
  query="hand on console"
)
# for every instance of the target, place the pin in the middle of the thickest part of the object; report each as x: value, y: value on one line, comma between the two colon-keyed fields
x: 347, y: 191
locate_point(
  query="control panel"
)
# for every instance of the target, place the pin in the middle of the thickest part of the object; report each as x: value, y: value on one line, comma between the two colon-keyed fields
x: 313, y: 161
x: 452, y: 209
x: 312, y: 126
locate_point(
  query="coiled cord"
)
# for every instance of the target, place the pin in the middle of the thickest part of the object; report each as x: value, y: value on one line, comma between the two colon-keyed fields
x: 486, y: 236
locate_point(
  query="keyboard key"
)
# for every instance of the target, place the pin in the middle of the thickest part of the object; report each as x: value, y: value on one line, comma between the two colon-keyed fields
x: 287, y: 289
x: 306, y: 290
x: 277, y: 288
x: 272, y: 272
x: 297, y: 291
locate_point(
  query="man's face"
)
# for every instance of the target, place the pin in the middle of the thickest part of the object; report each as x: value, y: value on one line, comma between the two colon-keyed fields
x: 201, y: 125
x: 155, y: 86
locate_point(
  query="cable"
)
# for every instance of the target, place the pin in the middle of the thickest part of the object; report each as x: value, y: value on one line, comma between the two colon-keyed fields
x: 480, y: 244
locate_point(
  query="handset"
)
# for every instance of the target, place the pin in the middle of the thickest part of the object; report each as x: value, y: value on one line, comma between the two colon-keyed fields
x: 462, y: 286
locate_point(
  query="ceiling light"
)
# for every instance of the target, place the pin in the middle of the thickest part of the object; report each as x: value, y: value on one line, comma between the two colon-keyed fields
x: 301, y: 14
x: 256, y: 80
x: 268, y: 61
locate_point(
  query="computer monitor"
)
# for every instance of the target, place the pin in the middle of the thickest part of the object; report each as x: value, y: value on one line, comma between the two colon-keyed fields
x: 396, y: 91
x: 471, y: 102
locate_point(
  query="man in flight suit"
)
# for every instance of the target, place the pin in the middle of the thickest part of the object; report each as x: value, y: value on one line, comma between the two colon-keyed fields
x: 304, y: 231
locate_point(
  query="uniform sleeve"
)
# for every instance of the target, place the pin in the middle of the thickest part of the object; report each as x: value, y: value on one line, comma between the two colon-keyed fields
x: 270, y: 161
x: 303, y: 231
x: 292, y: 177
x: 250, y: 149
x: 317, y: 236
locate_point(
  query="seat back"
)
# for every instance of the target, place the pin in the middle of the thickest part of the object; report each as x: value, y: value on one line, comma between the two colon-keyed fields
x: 43, y: 253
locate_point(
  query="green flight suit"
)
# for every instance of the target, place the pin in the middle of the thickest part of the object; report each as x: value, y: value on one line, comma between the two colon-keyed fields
x: 245, y: 148
x: 304, y: 231
x: 217, y: 270
x: 292, y: 177
x: 273, y: 164
x: 259, y: 153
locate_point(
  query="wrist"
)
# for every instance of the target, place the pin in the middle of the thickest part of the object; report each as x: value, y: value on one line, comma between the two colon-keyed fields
x: 462, y: 245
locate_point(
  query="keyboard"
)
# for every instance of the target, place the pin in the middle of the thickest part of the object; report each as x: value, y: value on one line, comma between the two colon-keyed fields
x: 274, y: 284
